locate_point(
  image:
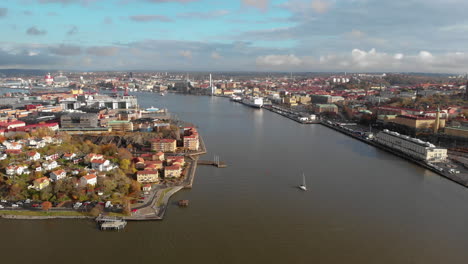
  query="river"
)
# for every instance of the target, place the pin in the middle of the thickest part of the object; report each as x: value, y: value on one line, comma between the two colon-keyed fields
x: 363, y: 205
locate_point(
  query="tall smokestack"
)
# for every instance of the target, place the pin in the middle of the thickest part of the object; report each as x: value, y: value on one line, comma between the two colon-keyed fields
x: 437, y: 121
x: 211, y: 86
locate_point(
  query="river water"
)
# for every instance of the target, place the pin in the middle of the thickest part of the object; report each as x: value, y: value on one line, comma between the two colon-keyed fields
x: 363, y: 205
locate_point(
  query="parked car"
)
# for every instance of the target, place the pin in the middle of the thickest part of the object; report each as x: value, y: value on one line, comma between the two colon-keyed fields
x: 14, y: 205
x: 1, y: 206
x: 35, y: 205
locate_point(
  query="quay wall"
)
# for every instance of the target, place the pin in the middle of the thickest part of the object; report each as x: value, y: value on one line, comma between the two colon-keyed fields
x: 451, y: 177
x: 31, y: 217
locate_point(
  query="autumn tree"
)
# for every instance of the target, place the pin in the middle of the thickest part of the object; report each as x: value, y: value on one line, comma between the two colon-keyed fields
x: 46, y: 205
x: 125, y: 164
x: 97, y: 210
x: 124, y: 154
x: 126, y: 206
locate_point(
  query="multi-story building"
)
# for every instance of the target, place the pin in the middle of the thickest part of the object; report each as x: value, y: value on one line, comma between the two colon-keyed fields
x: 191, y: 142
x: 174, y: 171
x: 413, y: 147
x: 191, y: 138
x: 148, y: 176
x: 418, y: 122
x: 79, y: 120
x: 120, y: 126
x: 325, y: 108
x: 164, y: 145
x: 290, y: 101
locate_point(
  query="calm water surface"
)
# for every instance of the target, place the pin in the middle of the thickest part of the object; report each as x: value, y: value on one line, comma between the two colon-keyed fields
x: 363, y: 205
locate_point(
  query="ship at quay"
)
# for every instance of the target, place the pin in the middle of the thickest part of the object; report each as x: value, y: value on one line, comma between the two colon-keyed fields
x: 255, y: 102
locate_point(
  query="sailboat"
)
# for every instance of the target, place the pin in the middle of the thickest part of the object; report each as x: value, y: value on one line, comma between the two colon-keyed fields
x: 303, y: 185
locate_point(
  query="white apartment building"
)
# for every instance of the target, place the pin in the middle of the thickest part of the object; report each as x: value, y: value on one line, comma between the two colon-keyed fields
x: 413, y: 147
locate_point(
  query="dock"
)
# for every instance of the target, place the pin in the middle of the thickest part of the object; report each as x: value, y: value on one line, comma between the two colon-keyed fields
x: 110, y: 223
x: 118, y: 225
x: 219, y: 164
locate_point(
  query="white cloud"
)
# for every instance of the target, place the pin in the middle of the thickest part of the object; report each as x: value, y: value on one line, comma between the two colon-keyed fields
x: 398, y: 56
x: 426, y: 56
x: 278, y: 60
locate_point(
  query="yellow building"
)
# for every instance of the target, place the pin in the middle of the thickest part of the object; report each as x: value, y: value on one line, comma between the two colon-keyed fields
x: 77, y: 92
x: 172, y: 171
x: 290, y: 101
x: 120, y: 126
x: 325, y: 108
x: 228, y: 92
x: 148, y: 176
x: 418, y: 122
x: 164, y: 145
x: 41, y: 183
x: 303, y: 99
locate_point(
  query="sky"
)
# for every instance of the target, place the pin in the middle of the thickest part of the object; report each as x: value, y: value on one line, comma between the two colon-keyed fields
x: 235, y: 35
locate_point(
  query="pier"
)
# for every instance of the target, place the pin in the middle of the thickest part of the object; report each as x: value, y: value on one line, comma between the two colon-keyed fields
x: 216, y: 162
x: 110, y: 223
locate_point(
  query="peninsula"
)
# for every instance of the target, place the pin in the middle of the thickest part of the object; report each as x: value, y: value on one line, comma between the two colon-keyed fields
x: 73, y: 154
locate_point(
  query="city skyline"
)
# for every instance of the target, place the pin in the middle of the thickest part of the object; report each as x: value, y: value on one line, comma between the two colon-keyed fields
x: 241, y: 35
